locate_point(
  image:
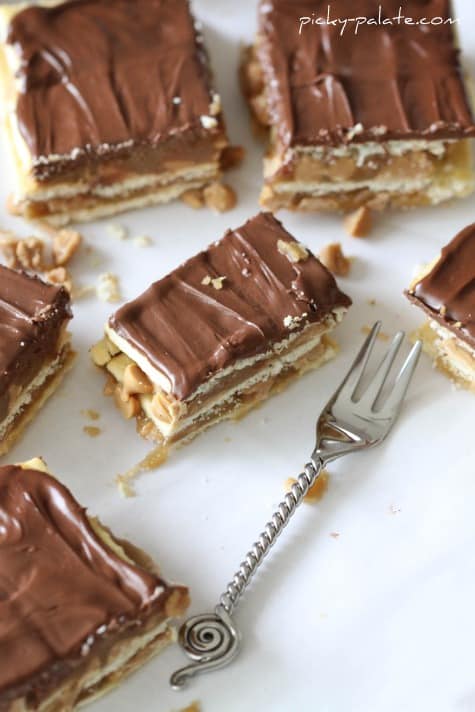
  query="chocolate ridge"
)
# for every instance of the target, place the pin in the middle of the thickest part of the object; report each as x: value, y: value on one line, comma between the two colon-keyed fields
x: 190, y: 330
x: 32, y: 314
x: 100, y: 76
x: 63, y: 592
x: 450, y: 285
x: 392, y: 82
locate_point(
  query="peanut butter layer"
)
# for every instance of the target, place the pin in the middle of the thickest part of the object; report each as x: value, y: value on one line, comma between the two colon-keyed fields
x: 252, y: 289
x: 447, y: 291
x: 390, y: 81
x: 102, y: 77
x: 68, y: 591
x: 32, y: 317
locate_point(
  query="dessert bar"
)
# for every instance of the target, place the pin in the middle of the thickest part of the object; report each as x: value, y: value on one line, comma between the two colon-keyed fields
x: 445, y: 291
x: 221, y: 333
x: 79, y: 609
x: 35, y: 348
x: 109, y: 106
x: 378, y: 117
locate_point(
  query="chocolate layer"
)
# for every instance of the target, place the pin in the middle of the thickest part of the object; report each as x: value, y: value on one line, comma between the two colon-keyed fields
x: 189, y: 329
x: 63, y: 592
x: 97, y: 75
x: 447, y: 293
x: 396, y: 81
x: 32, y: 315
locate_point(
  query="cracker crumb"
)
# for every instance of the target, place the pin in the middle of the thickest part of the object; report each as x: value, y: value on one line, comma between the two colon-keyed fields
x: 117, y: 231
x: 217, y: 282
x: 317, y: 490
x: 142, y: 241
x: 334, y: 260
x: 294, y: 251
x: 107, y: 288
x: 92, y: 430
x: 219, y: 197
x: 91, y: 414
x: 359, y: 223
x: 382, y: 336
x: 124, y: 486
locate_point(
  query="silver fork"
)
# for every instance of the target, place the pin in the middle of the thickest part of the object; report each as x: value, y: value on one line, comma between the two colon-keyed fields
x: 349, y: 422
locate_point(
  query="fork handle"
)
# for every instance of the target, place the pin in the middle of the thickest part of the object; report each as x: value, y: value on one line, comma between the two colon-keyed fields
x: 212, y: 640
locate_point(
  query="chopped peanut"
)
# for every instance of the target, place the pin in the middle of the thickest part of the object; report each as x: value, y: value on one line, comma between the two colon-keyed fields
x: 359, y: 223
x: 65, y: 245
x: 219, y: 197
x: 294, y: 251
x: 194, y: 198
x: 59, y: 276
x: 333, y: 258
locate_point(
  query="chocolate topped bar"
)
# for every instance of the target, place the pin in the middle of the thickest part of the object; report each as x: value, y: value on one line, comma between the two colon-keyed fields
x: 100, y: 74
x: 254, y: 288
x: 327, y: 84
x: 447, y: 292
x: 67, y: 590
x: 32, y: 316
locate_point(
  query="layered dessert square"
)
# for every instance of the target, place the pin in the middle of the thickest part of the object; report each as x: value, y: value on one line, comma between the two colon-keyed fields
x: 109, y: 105
x: 445, y: 291
x: 372, y: 115
x: 221, y: 333
x: 79, y: 609
x: 35, y: 348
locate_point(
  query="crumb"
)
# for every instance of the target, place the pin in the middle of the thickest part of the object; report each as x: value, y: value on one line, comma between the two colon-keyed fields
x: 193, y: 707
x: 142, y: 241
x: 293, y: 250
x: 60, y: 277
x: 108, y: 287
x: 359, y: 223
x: 91, y: 414
x: 124, y: 486
x: 206, y: 280
x: 315, y: 492
x: 219, y: 197
x: 293, y: 322
x: 335, y: 535
x: 217, y: 282
x: 92, y: 431
x: 65, y: 245
x: 193, y: 197
x: 334, y: 260
x: 382, y: 336
x: 372, y: 302
x: 117, y: 231
x: 215, y: 106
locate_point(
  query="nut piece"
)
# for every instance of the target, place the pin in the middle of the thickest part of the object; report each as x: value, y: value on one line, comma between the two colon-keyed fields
x: 316, y: 492
x: 333, y: 258
x: 108, y: 287
x: 130, y: 407
x: 65, y: 244
x: 294, y: 251
x: 103, y: 351
x: 92, y: 430
x: 30, y: 254
x: 219, y: 197
x: 359, y: 223
x: 60, y: 277
x: 163, y: 409
x: 217, y: 282
x: 194, y: 198
x: 135, y: 380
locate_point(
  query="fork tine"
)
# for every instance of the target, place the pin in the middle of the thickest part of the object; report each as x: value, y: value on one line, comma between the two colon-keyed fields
x: 355, y: 373
x: 396, y: 397
x: 371, y: 394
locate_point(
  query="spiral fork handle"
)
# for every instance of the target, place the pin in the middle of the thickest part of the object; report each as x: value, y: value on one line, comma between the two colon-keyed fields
x: 212, y: 640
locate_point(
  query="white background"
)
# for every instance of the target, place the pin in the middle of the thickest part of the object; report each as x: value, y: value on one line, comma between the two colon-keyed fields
x: 380, y: 618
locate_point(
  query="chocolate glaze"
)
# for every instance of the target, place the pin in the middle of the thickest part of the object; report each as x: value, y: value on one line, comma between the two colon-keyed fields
x: 96, y: 74
x: 190, y: 331
x: 32, y: 314
x: 59, y: 584
x: 451, y: 284
x: 404, y: 78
